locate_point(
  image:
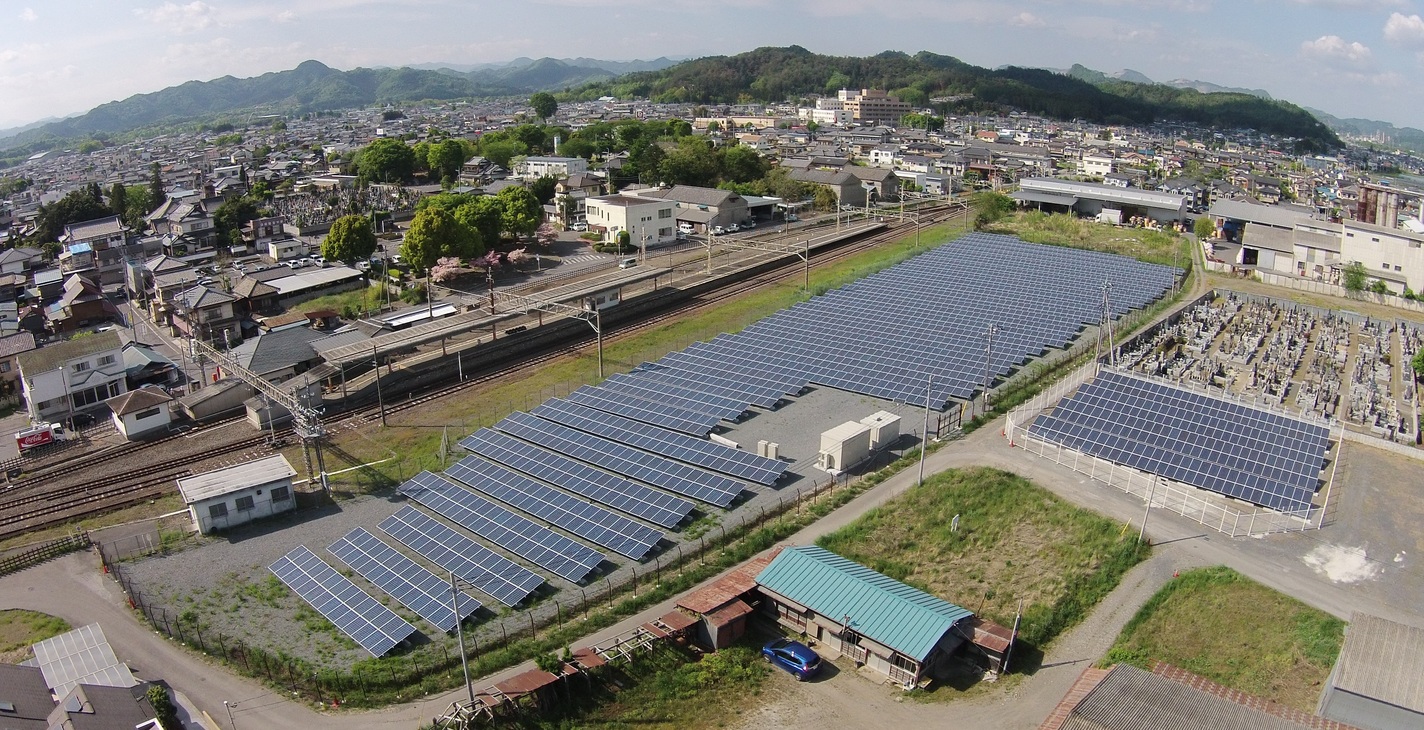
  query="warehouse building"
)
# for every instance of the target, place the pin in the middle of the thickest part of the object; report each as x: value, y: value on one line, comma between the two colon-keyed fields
x: 1378, y: 681
x: 846, y: 608
x: 225, y: 498
x: 1105, y: 202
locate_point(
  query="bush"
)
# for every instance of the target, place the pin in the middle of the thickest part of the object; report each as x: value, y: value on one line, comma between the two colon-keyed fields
x: 414, y: 295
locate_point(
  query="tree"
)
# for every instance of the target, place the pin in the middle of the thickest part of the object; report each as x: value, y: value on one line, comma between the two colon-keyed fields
x: 500, y: 152
x: 1204, y: 228
x: 163, y: 709
x: 156, y: 196
x: 544, y: 105
x: 543, y: 188
x: 446, y: 159
x: 520, y: 211
x: 1379, y: 287
x: 138, y: 206
x: 743, y: 164
x: 1354, y: 277
x: 232, y: 215
x: 386, y: 160
x: 349, y: 240
x: 79, y: 205
x: 483, y: 215
x: 1418, y: 364
x: 119, y: 200
x: 434, y: 233
x: 989, y: 207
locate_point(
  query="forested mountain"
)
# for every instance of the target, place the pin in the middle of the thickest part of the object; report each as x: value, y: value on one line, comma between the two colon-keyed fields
x: 772, y: 74
x: 1083, y: 73
x: 1408, y: 138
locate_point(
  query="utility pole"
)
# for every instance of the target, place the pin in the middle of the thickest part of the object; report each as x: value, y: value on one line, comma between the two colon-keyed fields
x: 1151, y: 493
x: 925, y: 440
x: 376, y: 360
x: 988, y: 363
x: 460, y: 634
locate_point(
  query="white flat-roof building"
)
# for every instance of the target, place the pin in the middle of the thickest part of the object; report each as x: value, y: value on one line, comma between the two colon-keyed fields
x: 533, y: 168
x: 648, y: 221
x: 218, y: 500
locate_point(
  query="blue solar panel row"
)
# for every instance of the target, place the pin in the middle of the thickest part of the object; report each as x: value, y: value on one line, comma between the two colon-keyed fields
x: 684, y: 448
x: 648, y: 468
x: 600, y: 486
x: 1264, y: 458
x: 711, y: 383
x: 499, y: 577
x: 692, y: 362
x: 591, y: 522
x: 404, y: 579
x: 565, y: 557
x: 376, y: 628
x: 639, y: 409
x: 727, y: 409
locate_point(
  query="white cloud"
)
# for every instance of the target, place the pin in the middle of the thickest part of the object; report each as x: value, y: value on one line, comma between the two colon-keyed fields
x: 1027, y: 20
x: 28, y: 15
x: 194, y: 16
x: 1405, y: 30
x: 1333, y: 49
x: 1353, y: 4
x: 286, y: 16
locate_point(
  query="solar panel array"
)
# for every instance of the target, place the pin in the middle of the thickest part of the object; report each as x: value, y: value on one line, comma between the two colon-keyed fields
x: 595, y: 524
x: 647, y: 411
x: 1265, y: 458
x: 650, y: 504
x: 404, y: 579
x: 564, y: 556
x: 648, y: 468
x: 696, y: 451
x: 499, y: 577
x: 376, y: 628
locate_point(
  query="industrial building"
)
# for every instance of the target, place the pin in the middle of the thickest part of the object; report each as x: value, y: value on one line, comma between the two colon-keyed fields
x: 1378, y: 681
x: 1105, y: 202
x: 236, y: 495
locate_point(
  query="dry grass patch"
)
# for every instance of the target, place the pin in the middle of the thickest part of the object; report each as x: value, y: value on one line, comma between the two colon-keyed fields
x: 1064, y: 230
x: 1230, y: 629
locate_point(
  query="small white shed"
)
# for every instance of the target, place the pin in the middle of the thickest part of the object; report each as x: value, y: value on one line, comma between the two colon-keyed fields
x: 218, y: 500
x: 844, y: 446
x: 141, y: 412
x: 884, y: 428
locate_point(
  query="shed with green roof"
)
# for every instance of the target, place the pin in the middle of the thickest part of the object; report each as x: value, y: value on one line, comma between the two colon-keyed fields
x: 875, y: 620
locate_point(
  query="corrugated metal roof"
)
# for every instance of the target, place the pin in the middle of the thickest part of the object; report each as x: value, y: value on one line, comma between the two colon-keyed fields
x: 880, y: 608
x: 1383, y: 660
x: 235, y: 478
x: 81, y: 656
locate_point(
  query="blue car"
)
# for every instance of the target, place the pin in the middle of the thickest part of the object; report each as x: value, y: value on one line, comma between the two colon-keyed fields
x: 794, y: 657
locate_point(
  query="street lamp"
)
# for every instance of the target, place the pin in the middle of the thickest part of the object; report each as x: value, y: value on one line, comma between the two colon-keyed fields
x: 460, y: 634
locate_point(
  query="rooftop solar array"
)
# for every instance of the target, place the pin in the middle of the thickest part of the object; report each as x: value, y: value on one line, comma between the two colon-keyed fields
x: 600, y: 486
x: 620, y: 534
x: 652, y: 469
x: 499, y: 577
x: 376, y: 628
x: 1265, y: 458
x: 700, y: 452
x: 564, y: 556
x: 404, y: 579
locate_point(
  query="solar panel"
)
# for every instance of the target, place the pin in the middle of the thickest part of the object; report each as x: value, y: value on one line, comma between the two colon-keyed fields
x: 404, y: 579
x: 621, y: 459
x: 376, y: 628
x: 565, y: 557
x: 1192, y: 437
x: 639, y: 409
x: 710, y: 383
x: 499, y: 577
x: 636, y: 499
x: 614, y: 531
x: 689, y: 449
x: 728, y: 409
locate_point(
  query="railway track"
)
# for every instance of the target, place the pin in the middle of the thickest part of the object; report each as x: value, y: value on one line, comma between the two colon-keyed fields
x: 33, y: 503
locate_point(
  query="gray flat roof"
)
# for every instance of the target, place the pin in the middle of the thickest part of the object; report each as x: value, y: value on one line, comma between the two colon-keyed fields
x: 1266, y: 215
x: 1383, y: 660
x: 1031, y: 196
x: 235, y: 478
x: 1111, y: 193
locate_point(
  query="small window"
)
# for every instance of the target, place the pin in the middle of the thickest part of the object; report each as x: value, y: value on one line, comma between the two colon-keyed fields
x: 1385, y: 266
x: 244, y: 504
x: 1374, y: 238
x: 281, y: 494
x: 79, y: 367
x: 1397, y: 267
x: 217, y: 511
x: 4, y: 367
x: 106, y: 360
x: 141, y: 415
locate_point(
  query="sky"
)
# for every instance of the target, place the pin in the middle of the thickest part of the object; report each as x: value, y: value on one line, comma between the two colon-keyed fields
x: 1351, y: 58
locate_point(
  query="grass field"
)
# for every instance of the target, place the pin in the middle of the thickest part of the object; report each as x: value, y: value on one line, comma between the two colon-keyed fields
x: 1230, y: 629
x: 20, y: 628
x: 1015, y: 541
x: 412, y: 440
x: 1065, y: 230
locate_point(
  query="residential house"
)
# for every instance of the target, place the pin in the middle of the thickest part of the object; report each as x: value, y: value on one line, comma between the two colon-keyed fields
x: 1097, y: 165
x: 95, y: 249
x: 82, y: 304
x: 72, y: 375
x: 206, y: 314
x: 845, y: 186
x: 254, y: 295
x: 1193, y: 191
x: 480, y: 171
x: 571, y: 196
x: 11, y: 347
x: 879, y: 184
x: 20, y: 260
x: 648, y: 221
x: 702, y: 208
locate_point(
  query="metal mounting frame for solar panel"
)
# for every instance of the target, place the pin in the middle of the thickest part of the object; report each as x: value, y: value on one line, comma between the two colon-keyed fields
x: 659, y: 508
x: 497, y: 576
x: 402, y: 578
x: 639, y: 409
x: 659, y: 471
x: 620, y: 534
x: 564, y: 556
x: 660, y: 441
x: 376, y: 628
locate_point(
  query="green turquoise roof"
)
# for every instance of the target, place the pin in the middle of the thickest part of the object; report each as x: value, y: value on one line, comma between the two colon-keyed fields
x: 880, y: 608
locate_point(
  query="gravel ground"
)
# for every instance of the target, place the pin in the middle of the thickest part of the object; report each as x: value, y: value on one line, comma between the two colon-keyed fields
x: 224, y: 580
